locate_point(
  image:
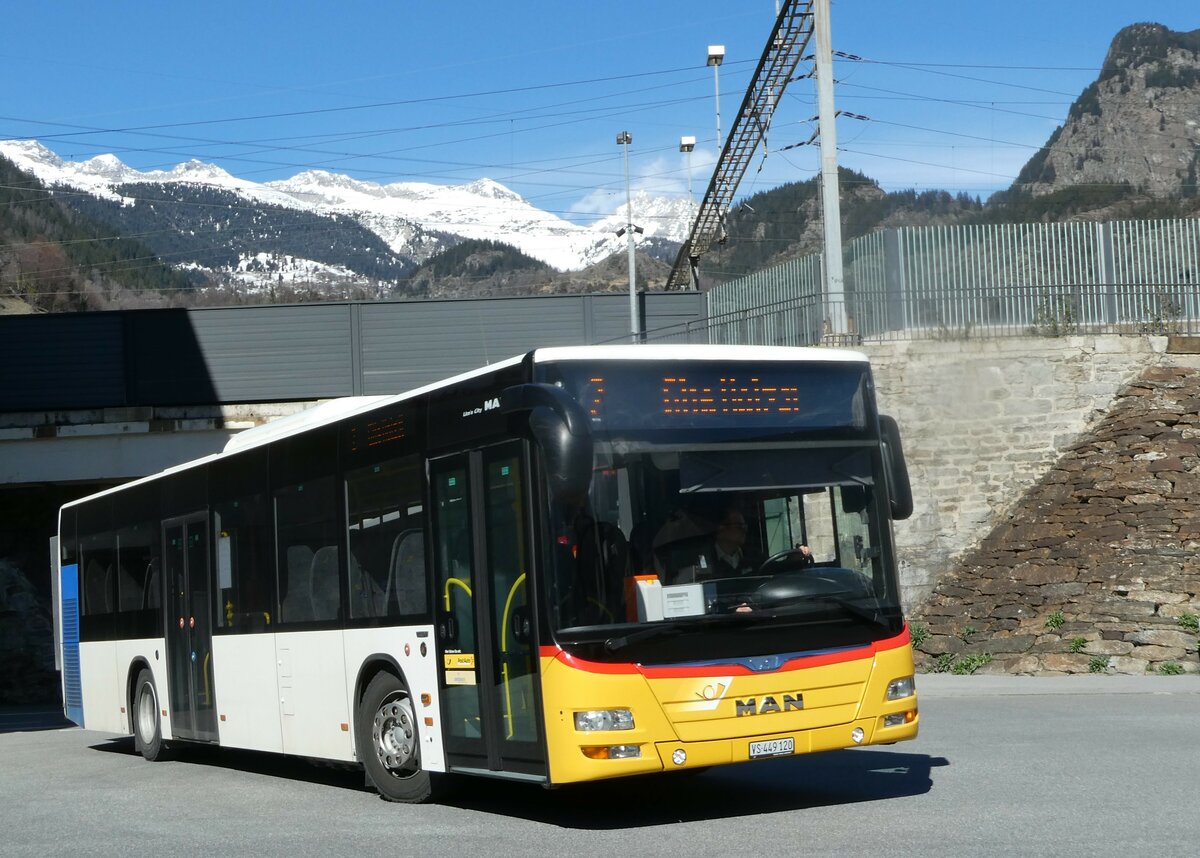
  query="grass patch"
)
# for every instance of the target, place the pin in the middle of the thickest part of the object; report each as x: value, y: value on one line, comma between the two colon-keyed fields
x: 961, y: 665
x: 919, y: 632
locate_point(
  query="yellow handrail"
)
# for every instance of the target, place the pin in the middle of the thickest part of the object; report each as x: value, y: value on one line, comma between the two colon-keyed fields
x: 508, y: 713
x: 458, y: 582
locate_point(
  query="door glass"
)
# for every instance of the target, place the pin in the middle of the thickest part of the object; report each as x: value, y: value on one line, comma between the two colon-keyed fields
x: 189, y: 630
x: 819, y: 526
x: 453, y: 560
x: 200, y: 629
x: 174, y: 565
x: 506, y: 556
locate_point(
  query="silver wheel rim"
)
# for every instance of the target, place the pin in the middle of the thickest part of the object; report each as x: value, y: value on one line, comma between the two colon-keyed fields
x: 394, y: 735
x: 147, y: 714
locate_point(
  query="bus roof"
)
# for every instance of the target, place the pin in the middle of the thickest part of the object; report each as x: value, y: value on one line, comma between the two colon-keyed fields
x: 333, y: 410
x: 692, y: 351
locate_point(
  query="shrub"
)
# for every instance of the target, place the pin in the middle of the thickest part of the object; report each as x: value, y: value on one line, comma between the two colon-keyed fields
x: 970, y: 663
x: 919, y: 632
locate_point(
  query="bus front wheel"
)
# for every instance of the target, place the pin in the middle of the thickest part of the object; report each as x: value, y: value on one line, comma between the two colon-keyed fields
x: 387, y: 740
x: 147, y: 726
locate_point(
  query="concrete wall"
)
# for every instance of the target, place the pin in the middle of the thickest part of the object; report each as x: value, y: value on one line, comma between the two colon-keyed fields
x: 982, y: 420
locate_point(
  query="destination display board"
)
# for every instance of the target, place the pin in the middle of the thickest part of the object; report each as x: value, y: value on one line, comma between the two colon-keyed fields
x: 627, y: 395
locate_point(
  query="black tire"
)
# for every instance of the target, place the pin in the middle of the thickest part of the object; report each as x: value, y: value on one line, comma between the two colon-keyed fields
x: 385, y: 733
x: 147, y: 724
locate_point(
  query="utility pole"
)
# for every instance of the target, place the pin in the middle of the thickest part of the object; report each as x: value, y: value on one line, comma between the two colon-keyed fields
x: 835, y: 296
x: 624, y: 139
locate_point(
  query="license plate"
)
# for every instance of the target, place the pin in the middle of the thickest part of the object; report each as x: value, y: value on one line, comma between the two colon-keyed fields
x: 772, y: 748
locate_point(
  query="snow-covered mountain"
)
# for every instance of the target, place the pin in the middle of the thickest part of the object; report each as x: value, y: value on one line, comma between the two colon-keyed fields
x: 414, y: 219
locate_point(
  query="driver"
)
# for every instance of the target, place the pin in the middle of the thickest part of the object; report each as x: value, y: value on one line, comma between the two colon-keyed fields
x: 728, y: 556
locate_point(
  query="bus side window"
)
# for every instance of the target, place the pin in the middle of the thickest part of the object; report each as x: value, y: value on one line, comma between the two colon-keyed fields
x: 385, y: 523
x: 244, y: 567
x: 97, y: 587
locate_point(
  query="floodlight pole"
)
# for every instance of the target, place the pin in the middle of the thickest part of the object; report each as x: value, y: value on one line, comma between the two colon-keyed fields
x: 835, y: 296
x: 687, y: 144
x: 624, y: 139
x: 716, y: 56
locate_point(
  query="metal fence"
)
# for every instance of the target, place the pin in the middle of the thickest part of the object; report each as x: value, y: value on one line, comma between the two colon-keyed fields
x: 1124, y: 277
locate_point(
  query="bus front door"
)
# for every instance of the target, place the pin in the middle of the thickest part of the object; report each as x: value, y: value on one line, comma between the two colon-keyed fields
x: 488, y: 678
x: 189, y: 628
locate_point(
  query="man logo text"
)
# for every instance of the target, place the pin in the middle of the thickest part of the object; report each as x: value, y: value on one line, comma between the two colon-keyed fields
x: 769, y: 704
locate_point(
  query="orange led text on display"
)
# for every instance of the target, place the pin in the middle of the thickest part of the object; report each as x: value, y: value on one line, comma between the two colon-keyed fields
x: 730, y: 396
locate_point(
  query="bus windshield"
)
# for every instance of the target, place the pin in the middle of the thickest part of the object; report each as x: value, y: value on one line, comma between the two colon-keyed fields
x: 747, y: 534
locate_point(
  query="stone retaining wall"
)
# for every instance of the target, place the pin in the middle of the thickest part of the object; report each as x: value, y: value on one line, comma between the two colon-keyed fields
x: 1095, y: 568
x: 982, y: 421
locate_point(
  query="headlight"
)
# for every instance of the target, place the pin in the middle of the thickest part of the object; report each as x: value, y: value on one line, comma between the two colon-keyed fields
x: 898, y: 689
x: 603, y: 719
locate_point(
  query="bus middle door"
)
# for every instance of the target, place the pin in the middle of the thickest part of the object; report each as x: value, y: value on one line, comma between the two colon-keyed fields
x: 488, y: 664
x: 189, y: 628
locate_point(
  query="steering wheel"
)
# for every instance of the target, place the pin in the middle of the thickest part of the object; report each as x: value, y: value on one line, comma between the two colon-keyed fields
x: 800, y: 561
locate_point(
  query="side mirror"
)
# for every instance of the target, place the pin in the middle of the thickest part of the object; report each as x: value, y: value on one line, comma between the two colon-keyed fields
x: 899, y: 487
x: 563, y: 432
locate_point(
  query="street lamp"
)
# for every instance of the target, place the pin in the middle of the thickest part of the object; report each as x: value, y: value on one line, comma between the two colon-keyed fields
x: 624, y: 139
x: 716, y: 56
x: 687, y: 144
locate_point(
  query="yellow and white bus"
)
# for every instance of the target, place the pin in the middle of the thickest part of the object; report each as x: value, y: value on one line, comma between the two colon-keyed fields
x: 576, y: 564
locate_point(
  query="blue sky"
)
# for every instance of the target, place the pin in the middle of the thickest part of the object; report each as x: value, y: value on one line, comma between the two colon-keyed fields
x: 532, y: 94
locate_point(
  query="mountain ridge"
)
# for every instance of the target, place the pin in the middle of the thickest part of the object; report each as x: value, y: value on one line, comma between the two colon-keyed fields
x: 1136, y: 124
x: 416, y: 219
x: 1128, y: 148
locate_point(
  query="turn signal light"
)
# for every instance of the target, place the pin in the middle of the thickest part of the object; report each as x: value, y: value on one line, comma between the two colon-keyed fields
x: 611, y: 752
x: 899, y: 719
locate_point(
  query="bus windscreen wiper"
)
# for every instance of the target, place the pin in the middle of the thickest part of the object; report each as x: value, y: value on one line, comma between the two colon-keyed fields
x: 640, y: 636
x: 658, y: 632
x: 871, y: 615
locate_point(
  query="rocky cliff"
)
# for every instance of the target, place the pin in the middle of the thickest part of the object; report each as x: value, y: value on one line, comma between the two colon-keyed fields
x: 1136, y: 124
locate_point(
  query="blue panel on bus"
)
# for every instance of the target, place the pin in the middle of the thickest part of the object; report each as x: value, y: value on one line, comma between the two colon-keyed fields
x: 765, y: 663
x: 72, y: 686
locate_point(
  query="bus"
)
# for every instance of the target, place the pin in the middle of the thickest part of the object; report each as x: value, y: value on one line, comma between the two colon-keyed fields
x: 579, y: 563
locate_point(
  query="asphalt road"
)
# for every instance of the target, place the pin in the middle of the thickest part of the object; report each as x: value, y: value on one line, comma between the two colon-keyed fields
x: 1003, y: 766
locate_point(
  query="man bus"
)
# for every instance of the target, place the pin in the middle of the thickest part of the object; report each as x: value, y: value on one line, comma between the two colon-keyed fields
x: 505, y: 574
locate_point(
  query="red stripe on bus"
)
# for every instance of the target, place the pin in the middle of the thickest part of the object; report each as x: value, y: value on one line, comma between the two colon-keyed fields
x: 727, y: 668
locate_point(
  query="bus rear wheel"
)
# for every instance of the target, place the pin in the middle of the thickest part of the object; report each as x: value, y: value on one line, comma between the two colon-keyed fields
x: 147, y: 725
x: 386, y: 736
